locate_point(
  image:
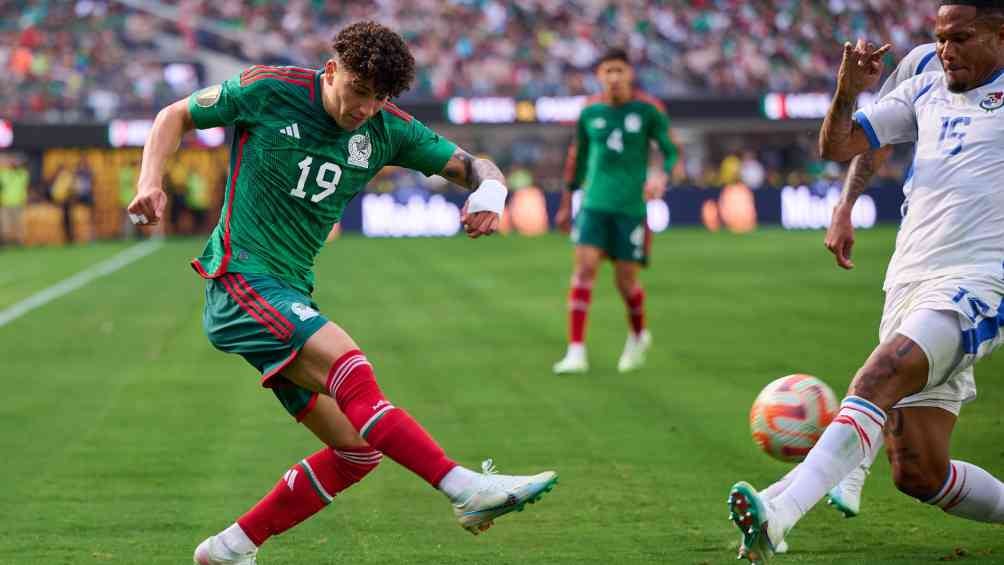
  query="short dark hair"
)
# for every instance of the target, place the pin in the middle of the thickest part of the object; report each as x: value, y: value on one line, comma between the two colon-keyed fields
x: 612, y: 54
x: 376, y: 53
x: 989, y: 7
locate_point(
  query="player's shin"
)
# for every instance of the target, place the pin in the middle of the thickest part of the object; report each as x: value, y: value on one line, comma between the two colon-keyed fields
x: 579, y: 298
x: 387, y: 428
x: 304, y: 490
x: 972, y: 493
x: 851, y: 438
x: 635, y: 302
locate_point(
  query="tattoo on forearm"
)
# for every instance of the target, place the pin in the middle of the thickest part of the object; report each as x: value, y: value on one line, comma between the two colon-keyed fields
x: 861, y: 171
x: 837, y: 125
x: 470, y: 172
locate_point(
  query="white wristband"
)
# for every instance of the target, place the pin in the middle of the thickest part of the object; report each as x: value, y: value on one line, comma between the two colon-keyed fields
x: 489, y: 197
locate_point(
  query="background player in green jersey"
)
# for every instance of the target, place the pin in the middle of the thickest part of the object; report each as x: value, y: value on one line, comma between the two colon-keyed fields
x: 307, y: 141
x: 609, y: 160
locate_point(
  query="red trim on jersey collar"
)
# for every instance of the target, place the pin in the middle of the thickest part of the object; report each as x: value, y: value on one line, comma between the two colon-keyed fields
x: 392, y: 108
x: 299, y: 76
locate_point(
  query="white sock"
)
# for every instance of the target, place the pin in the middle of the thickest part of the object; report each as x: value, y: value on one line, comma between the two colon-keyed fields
x: 457, y: 483
x: 236, y: 540
x: 777, y: 488
x: 577, y: 349
x: 852, y: 438
x: 972, y: 493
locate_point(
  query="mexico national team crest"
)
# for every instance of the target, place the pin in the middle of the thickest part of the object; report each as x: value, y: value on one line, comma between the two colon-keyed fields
x: 360, y: 150
x: 992, y: 101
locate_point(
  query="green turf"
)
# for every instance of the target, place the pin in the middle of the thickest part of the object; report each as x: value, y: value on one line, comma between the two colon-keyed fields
x: 127, y: 438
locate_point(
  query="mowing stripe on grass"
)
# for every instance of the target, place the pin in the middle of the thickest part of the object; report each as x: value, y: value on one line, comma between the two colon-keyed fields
x: 78, y: 280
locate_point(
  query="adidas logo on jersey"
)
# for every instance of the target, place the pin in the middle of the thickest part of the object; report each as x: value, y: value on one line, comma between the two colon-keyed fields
x: 291, y: 130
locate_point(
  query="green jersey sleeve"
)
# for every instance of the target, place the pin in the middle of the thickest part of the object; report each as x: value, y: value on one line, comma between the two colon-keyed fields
x: 228, y: 103
x: 422, y: 149
x: 660, y: 132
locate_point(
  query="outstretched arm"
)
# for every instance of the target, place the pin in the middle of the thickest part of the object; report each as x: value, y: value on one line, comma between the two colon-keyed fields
x: 170, y: 125
x: 840, y: 138
x: 484, y: 207
x: 840, y: 235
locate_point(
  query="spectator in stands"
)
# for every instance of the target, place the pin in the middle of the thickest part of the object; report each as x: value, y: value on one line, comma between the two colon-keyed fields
x: 14, y: 181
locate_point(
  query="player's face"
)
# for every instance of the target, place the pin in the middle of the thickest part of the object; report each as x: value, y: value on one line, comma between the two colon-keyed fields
x: 615, y: 77
x: 969, y: 48
x: 350, y: 100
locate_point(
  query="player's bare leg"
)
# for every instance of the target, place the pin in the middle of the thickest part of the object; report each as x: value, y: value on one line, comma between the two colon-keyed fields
x: 639, y: 339
x: 587, y: 263
x: 917, y: 442
x: 331, y: 364
x: 897, y: 368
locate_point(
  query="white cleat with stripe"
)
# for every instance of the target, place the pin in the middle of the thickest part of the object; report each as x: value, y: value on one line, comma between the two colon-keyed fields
x: 213, y: 551
x: 495, y: 495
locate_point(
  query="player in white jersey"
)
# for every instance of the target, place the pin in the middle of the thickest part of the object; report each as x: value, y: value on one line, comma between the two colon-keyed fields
x: 944, y: 286
x: 846, y: 496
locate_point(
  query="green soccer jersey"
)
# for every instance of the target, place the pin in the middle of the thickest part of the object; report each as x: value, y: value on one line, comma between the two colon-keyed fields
x: 610, y: 156
x: 293, y: 170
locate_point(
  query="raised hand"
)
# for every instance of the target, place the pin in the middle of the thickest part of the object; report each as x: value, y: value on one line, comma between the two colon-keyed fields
x: 861, y: 67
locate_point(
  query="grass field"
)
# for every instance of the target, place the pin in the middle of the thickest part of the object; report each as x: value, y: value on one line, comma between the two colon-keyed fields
x: 127, y: 438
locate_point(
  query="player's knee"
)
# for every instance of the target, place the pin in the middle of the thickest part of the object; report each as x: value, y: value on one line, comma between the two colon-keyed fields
x: 352, y: 383
x: 917, y: 478
x: 881, y: 380
x: 585, y: 274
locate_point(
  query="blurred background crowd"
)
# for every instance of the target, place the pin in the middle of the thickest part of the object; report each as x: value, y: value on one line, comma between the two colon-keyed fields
x: 102, y: 57
x: 91, y: 61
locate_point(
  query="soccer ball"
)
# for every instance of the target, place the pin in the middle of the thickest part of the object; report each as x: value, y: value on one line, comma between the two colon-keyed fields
x: 790, y: 414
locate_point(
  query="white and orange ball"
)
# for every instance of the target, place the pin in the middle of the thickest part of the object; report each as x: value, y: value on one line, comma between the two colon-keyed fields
x: 790, y: 414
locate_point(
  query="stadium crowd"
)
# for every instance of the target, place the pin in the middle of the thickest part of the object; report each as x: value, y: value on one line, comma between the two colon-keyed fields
x: 58, y: 54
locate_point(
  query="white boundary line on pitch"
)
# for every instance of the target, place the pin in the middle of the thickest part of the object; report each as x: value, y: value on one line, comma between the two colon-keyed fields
x: 78, y: 280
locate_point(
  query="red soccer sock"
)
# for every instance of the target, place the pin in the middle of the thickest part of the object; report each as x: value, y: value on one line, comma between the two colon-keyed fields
x: 305, y: 489
x: 578, y: 307
x: 387, y: 428
x: 635, y: 303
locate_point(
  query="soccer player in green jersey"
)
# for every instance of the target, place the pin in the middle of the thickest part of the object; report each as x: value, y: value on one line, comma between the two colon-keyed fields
x: 306, y: 142
x: 609, y: 160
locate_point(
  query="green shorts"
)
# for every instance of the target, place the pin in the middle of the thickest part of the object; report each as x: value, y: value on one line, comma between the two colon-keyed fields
x: 621, y: 236
x: 267, y: 322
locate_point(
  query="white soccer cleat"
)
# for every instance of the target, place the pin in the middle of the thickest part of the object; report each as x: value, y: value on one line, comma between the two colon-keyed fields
x: 846, y: 496
x: 495, y: 495
x: 635, y: 347
x: 574, y: 361
x: 753, y: 516
x: 213, y: 551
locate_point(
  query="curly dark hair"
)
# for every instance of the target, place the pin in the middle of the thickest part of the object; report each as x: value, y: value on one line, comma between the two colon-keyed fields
x: 376, y: 53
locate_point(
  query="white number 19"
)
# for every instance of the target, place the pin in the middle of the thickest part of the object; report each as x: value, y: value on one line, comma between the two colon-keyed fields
x: 329, y: 185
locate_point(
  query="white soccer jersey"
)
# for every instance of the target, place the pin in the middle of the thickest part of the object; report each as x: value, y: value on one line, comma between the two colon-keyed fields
x: 954, y: 224
x: 920, y: 59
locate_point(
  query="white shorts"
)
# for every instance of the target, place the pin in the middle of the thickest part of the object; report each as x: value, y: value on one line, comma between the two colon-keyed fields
x: 956, y: 322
